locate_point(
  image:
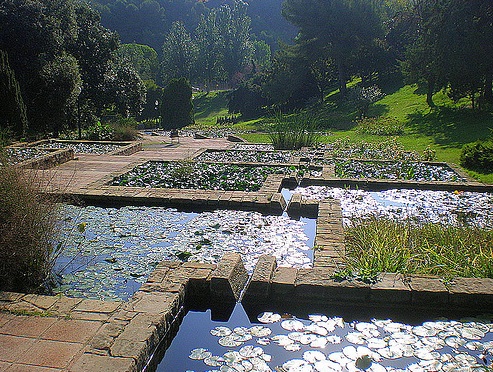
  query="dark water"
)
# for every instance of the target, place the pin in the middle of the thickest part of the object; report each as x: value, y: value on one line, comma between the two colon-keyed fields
x: 195, y: 332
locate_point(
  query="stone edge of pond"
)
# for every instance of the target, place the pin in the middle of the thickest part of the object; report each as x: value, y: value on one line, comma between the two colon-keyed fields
x: 47, y: 161
x: 132, y: 331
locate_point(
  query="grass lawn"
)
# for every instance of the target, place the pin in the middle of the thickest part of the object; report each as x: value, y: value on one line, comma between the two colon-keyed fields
x: 444, y: 129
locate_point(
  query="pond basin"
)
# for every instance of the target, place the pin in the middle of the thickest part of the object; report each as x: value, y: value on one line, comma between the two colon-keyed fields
x: 110, y: 252
x: 285, y: 337
x: 447, y: 207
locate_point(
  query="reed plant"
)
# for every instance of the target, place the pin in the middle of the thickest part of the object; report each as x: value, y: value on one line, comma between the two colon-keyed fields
x: 382, y: 245
x: 28, y: 227
x: 294, y: 132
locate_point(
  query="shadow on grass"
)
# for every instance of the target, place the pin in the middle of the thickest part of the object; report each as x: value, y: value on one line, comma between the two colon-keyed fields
x: 452, y: 127
x: 206, y: 104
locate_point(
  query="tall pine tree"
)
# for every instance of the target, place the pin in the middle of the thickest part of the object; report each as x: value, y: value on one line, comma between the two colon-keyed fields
x: 12, y: 109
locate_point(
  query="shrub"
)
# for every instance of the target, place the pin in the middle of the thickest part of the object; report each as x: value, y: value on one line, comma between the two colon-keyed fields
x: 28, y: 225
x: 478, y: 156
x: 380, y: 126
x: 295, y: 132
x: 124, y: 129
x: 99, y: 132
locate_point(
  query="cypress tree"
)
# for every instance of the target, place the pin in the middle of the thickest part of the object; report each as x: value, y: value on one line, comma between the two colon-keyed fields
x: 176, y: 106
x: 12, y: 108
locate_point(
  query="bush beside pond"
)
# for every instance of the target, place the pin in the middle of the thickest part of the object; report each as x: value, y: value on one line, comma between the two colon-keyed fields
x: 27, y: 230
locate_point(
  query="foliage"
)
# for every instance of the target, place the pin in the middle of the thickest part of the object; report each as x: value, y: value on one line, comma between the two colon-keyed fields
x: 179, y: 54
x: 247, y: 100
x: 380, y: 245
x: 124, y: 129
x: 27, y: 231
x: 143, y: 59
x: 363, y: 97
x: 67, y: 66
x: 176, y: 105
x: 99, y: 132
x: 381, y: 126
x: 478, y: 156
x: 294, y: 132
x: 13, y: 110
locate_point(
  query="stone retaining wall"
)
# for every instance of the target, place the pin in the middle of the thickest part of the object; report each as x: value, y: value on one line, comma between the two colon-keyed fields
x: 47, y: 161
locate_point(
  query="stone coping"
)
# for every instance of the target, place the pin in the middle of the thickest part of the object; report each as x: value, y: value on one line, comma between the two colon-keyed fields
x: 126, y: 147
x: 50, y: 160
x: 132, y: 331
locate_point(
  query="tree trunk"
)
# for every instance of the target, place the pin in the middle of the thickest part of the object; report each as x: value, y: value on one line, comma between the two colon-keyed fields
x: 429, y: 93
x: 342, y: 79
x: 488, y: 88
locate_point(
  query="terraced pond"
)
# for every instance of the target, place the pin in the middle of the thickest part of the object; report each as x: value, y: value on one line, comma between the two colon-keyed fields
x: 399, y: 170
x: 203, y: 176
x: 17, y: 155
x: 82, y: 147
x: 110, y: 252
x: 418, y: 206
x: 246, y: 156
x: 275, y: 341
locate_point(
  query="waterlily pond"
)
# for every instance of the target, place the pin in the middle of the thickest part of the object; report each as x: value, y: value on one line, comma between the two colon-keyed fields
x: 109, y: 252
x: 398, y: 170
x: 197, y: 175
x: 246, y: 156
x: 418, y: 206
x: 17, y: 155
x: 82, y: 147
x: 325, y: 343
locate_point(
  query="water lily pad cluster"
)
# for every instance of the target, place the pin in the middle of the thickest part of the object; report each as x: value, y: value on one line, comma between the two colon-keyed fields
x: 417, y: 206
x: 390, y: 149
x: 252, y: 234
x: 325, y: 344
x: 117, y: 248
x: 405, y: 170
x: 83, y: 147
x: 253, y: 147
x: 197, y: 175
x: 17, y: 155
x: 246, y: 156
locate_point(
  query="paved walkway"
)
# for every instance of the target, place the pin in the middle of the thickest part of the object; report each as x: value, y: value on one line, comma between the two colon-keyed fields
x: 47, y: 333
x: 77, y: 175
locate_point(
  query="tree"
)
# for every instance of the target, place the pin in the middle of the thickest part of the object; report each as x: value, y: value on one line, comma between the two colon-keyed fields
x: 234, y: 26
x: 452, y: 47
x: 12, y: 110
x: 63, y: 61
x: 176, y: 104
x: 143, y: 58
x: 179, y: 54
x: 209, y: 67
x: 247, y: 99
x: 339, y: 30
x: 126, y: 89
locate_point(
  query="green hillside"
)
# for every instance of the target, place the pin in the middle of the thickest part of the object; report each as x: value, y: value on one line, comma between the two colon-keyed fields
x: 444, y: 129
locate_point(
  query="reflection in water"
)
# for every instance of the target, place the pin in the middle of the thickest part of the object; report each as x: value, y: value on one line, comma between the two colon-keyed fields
x: 274, y: 341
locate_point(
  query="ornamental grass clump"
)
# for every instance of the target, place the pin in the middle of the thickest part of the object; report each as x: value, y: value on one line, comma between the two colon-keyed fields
x: 380, y: 245
x: 28, y: 225
x: 294, y: 132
